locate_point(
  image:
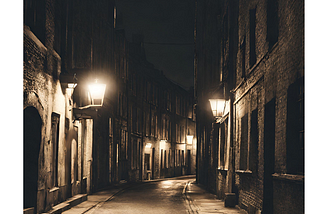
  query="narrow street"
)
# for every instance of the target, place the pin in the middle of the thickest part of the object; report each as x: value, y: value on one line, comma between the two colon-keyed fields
x: 154, y: 197
x: 171, y: 195
x: 192, y: 106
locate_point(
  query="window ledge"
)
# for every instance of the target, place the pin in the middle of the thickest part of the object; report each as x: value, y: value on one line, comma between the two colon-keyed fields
x: 244, y: 171
x: 54, y: 189
x: 288, y: 177
x: 223, y: 171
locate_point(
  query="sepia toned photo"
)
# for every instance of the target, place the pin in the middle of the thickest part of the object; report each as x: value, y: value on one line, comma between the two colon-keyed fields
x: 155, y: 106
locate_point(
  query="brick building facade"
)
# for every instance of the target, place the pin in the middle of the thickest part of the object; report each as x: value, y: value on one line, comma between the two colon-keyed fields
x: 258, y: 67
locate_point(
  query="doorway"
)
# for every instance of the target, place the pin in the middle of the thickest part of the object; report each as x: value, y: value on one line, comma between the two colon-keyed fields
x: 188, y: 162
x: 269, y: 146
x: 32, y: 125
x: 147, y: 166
x: 153, y: 164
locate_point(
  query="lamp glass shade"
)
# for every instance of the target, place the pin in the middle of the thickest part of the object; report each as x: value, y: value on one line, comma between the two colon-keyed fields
x: 189, y: 139
x: 96, y: 92
x: 217, y: 107
x: 72, y: 85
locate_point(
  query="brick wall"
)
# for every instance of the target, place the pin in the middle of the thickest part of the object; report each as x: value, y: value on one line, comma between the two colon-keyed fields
x: 274, y: 71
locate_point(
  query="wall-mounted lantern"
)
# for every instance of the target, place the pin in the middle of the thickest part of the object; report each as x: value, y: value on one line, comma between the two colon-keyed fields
x: 217, y: 107
x: 96, y: 93
x: 148, y: 146
x: 189, y: 139
x: 163, y: 144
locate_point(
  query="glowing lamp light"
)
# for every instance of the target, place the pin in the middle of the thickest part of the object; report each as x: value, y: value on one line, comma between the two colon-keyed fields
x: 217, y: 107
x: 189, y: 139
x: 163, y: 144
x: 96, y: 93
x: 148, y: 145
x: 72, y: 85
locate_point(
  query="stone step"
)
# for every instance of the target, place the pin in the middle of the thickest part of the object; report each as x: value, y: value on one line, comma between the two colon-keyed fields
x: 71, y: 202
x: 77, y: 199
x: 59, y: 208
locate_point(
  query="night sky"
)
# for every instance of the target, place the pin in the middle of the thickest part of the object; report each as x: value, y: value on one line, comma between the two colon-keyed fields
x: 162, y: 22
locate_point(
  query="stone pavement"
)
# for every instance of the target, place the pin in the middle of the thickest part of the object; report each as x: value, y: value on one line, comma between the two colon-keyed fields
x: 201, y: 201
x: 95, y: 200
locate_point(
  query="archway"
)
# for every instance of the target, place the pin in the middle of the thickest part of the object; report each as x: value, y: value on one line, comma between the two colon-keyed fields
x: 32, y: 124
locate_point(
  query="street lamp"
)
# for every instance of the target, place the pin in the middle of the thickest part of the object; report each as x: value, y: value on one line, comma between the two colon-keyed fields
x: 95, y: 98
x: 96, y: 93
x: 189, y: 139
x: 217, y: 107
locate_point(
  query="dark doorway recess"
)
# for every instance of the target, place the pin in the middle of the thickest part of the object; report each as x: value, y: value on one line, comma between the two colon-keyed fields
x: 269, y: 146
x: 153, y: 163
x: 32, y: 124
x: 188, y: 162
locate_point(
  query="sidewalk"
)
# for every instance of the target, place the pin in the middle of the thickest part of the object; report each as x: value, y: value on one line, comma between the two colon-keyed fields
x: 97, y: 199
x: 201, y: 201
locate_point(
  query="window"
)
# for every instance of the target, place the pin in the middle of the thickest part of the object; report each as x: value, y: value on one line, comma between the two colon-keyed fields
x: 249, y: 142
x: 223, y: 133
x: 134, y: 156
x: 134, y: 120
x: 178, y: 136
x: 58, y: 26
x: 153, y: 123
x: 182, y: 134
x: 253, y: 57
x: 134, y: 84
x: 178, y: 103
x: 244, y: 143
x: 169, y: 159
x: 168, y: 101
x: 254, y: 138
x: 139, y: 119
x: 110, y: 128
x: 161, y: 159
x: 272, y: 22
x: 34, y: 17
x: 165, y: 159
x: 182, y: 158
x: 124, y: 143
x: 225, y: 46
x: 295, y: 128
x: 55, y: 120
x: 242, y: 66
x: 147, y: 116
